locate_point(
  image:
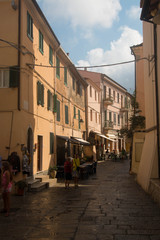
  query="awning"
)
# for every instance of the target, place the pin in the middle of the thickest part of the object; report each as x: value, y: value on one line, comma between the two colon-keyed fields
x: 79, y: 141
x: 65, y: 138
x: 103, y: 136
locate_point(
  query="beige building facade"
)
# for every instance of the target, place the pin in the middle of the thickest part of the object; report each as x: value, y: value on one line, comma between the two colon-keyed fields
x: 42, y: 95
x: 115, y: 110
x: 150, y: 159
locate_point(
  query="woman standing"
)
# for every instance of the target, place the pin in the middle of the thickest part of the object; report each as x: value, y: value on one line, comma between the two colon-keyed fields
x: 6, y: 187
x: 76, y: 163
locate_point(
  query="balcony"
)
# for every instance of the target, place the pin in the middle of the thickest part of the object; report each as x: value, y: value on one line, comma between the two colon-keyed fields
x: 108, y: 100
x: 108, y: 125
x: 124, y: 109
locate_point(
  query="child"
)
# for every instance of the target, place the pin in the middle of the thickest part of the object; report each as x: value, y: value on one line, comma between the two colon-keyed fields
x: 6, y: 187
x: 67, y: 172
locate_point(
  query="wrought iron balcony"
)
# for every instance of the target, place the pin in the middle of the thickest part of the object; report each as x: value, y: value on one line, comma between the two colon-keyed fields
x: 108, y: 125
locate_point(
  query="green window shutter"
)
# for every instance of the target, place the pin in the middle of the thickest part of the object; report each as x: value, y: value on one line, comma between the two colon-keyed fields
x: 29, y: 26
x: 38, y: 93
x: 66, y: 115
x: 13, y: 77
x: 57, y: 67
x: 79, y: 119
x: 42, y: 95
x: 48, y: 100
x: 40, y: 42
x: 55, y: 103
x: 65, y: 76
x: 50, y: 55
x: 58, y: 111
x: 51, y: 143
x: 74, y: 112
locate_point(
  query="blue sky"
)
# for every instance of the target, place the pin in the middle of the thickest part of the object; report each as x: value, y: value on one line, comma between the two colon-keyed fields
x: 97, y: 32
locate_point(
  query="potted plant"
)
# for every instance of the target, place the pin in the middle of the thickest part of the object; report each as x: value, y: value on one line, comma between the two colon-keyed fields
x: 21, y: 186
x: 52, y: 171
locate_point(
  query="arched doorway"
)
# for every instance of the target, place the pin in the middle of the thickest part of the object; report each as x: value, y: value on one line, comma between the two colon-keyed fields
x: 30, y: 147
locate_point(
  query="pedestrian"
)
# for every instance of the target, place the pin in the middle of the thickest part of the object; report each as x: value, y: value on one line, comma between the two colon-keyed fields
x: 76, y: 164
x: 6, y: 187
x: 68, y: 171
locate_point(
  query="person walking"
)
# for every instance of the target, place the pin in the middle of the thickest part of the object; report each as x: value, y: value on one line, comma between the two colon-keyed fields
x: 76, y: 164
x: 6, y: 187
x: 68, y: 172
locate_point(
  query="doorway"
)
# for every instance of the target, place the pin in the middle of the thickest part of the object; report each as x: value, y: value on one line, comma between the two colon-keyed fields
x: 39, y: 156
x: 30, y: 148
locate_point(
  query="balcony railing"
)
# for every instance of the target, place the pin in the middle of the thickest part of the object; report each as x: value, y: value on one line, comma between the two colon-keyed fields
x: 108, y: 100
x: 108, y: 125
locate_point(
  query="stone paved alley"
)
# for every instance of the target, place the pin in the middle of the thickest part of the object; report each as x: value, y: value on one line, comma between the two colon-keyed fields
x: 108, y: 206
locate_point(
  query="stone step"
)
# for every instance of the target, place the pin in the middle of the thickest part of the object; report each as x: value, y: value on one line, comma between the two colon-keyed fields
x: 38, y: 186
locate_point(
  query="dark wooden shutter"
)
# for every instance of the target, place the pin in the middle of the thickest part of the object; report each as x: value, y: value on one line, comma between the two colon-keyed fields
x: 13, y: 77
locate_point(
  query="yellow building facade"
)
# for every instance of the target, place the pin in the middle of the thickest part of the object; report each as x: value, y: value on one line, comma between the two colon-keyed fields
x: 42, y: 95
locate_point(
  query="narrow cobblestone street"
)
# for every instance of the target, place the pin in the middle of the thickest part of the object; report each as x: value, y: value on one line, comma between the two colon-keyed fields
x: 110, y: 205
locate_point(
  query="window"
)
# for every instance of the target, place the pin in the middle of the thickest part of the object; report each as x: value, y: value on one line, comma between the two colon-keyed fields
x: 99, y: 118
x: 65, y: 76
x: 109, y: 92
x: 4, y: 78
x: 29, y: 26
x: 90, y: 91
x: 105, y: 115
x: 50, y: 55
x: 95, y: 95
x: 104, y: 92
x: 117, y: 97
x: 66, y: 115
x: 79, y: 117
x: 55, y: 103
x: 78, y: 88
x: 114, y: 118
x: 110, y: 116
x: 50, y: 101
x: 118, y: 119
x: 58, y: 111
x: 91, y: 114
x: 40, y: 42
x: 74, y: 112
x: 40, y: 94
x: 96, y: 116
x: 114, y: 95
x: 9, y: 77
x: 57, y: 67
x: 51, y: 143
x: 73, y: 84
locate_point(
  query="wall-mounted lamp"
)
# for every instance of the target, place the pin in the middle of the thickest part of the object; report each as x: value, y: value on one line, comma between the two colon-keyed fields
x: 81, y: 120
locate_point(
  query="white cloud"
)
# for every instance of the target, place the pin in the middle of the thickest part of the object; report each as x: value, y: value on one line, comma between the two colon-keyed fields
x: 86, y: 14
x: 119, y: 52
x: 134, y: 12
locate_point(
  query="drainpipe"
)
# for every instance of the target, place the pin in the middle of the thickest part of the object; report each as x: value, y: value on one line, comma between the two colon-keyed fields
x: 19, y: 54
x: 157, y: 96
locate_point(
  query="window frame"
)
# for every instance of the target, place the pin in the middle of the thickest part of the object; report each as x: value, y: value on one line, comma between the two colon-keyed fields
x: 50, y: 55
x: 41, y: 49
x: 57, y: 67
x: 66, y: 115
x: 29, y: 26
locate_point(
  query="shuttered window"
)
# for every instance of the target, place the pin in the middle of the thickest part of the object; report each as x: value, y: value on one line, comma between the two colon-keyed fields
x: 58, y: 110
x: 40, y: 94
x: 49, y: 101
x: 40, y: 42
x: 51, y: 143
x: 29, y: 26
x: 55, y: 103
x: 65, y: 76
x: 79, y: 123
x: 66, y: 114
x: 50, y: 55
x: 74, y: 112
x: 57, y: 67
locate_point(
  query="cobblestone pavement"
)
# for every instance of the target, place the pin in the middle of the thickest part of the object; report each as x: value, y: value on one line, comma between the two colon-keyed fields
x: 110, y: 205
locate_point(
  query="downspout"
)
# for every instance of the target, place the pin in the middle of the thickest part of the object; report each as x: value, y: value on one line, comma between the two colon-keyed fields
x: 157, y: 97
x: 19, y: 54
